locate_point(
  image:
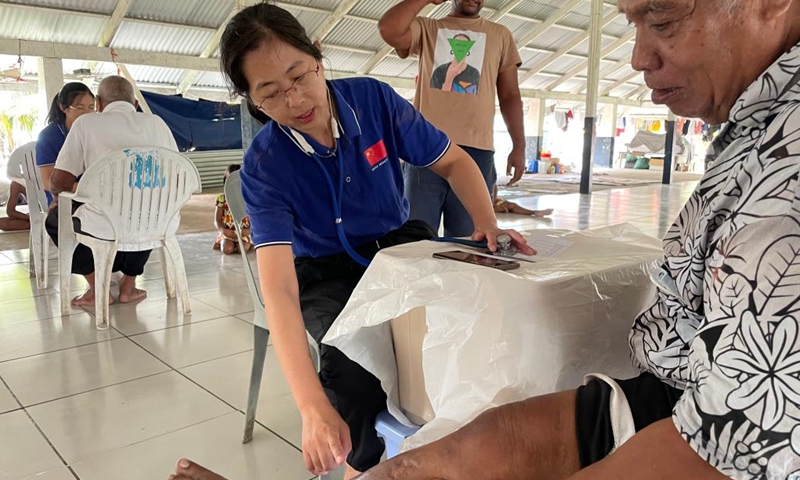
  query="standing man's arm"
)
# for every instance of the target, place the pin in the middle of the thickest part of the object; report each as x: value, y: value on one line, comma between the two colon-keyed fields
x: 511, y: 108
x: 395, y: 25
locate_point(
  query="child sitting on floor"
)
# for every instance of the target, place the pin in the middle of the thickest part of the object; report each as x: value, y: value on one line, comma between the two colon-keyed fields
x: 227, y: 240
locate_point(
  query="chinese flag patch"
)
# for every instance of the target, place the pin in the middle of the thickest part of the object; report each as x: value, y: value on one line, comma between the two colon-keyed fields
x: 376, y: 153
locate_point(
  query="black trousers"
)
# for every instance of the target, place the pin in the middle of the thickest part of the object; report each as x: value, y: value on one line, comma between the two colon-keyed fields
x: 325, y: 286
x: 129, y: 263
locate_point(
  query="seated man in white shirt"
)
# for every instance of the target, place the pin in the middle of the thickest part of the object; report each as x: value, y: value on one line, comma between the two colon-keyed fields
x: 92, y: 137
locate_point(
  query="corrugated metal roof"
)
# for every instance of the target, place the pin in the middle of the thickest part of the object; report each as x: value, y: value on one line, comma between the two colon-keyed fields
x: 519, y: 28
x: 622, y: 91
x: 583, y: 48
x: 49, y: 26
x: 355, y: 33
x: 623, y: 72
x: 372, y: 8
x: 393, y: 66
x: 324, y: 4
x: 160, y: 38
x: 211, y: 79
x: 97, y: 6
x: 564, y: 65
x: 537, y: 82
x: 569, y: 85
x: 552, y: 37
x: 623, y: 53
x: 534, y: 9
x: 309, y: 20
x: 63, y: 26
x: 344, y: 61
x: 202, y: 13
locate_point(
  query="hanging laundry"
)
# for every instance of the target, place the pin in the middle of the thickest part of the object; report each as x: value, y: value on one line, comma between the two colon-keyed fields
x: 561, y: 120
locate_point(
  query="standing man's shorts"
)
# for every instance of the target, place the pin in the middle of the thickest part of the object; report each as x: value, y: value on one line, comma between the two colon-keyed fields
x: 609, y: 412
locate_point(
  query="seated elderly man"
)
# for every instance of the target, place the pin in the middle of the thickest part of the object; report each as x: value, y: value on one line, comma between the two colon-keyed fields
x: 719, y: 396
x: 91, y: 137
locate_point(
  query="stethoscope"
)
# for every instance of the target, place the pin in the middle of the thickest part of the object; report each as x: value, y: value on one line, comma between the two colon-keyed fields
x: 336, y: 197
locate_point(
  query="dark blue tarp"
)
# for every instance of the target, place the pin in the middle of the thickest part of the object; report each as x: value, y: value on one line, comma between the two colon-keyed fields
x: 198, y: 124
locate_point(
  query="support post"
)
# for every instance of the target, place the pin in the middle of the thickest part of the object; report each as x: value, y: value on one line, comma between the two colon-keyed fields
x: 592, y: 94
x: 666, y: 176
x: 51, y: 79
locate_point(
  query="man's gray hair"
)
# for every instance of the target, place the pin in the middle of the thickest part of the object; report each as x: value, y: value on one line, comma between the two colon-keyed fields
x: 116, y: 89
x: 729, y: 5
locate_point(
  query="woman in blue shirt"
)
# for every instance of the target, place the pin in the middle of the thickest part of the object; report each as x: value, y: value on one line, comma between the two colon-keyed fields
x: 72, y: 101
x: 324, y: 192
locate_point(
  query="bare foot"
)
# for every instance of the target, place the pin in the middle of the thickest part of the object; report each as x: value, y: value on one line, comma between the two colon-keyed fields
x: 543, y: 213
x: 86, y: 299
x: 132, y: 295
x: 186, y: 470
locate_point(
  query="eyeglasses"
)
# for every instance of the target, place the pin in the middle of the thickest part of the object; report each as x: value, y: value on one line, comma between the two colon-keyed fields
x: 83, y: 108
x: 281, y: 97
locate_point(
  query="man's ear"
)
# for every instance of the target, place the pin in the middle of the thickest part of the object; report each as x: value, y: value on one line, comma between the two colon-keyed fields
x: 319, y: 45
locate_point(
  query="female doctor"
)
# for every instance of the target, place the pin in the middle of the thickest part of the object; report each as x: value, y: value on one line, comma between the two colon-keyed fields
x: 324, y: 192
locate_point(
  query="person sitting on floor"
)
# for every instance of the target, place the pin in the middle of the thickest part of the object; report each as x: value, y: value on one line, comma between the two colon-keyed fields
x: 504, y: 206
x: 719, y: 346
x: 16, y: 220
x: 92, y: 137
x: 227, y: 238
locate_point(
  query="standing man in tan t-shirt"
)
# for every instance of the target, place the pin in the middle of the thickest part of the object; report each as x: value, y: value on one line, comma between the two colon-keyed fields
x: 465, y: 62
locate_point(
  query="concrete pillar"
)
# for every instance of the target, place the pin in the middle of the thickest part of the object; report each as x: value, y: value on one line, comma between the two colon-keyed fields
x: 51, y: 79
x: 592, y: 93
x: 669, y: 169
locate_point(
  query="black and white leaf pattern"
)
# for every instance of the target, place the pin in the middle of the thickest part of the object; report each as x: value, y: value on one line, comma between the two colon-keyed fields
x: 731, y: 336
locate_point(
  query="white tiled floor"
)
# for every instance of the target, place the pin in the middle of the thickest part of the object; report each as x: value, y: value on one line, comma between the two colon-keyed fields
x: 128, y: 402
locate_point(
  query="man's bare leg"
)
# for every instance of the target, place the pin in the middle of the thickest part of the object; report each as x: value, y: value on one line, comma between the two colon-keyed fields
x: 350, y: 472
x: 128, y: 292
x: 530, y: 440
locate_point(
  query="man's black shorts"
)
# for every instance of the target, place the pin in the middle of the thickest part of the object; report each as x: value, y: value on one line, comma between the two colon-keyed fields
x: 608, y: 412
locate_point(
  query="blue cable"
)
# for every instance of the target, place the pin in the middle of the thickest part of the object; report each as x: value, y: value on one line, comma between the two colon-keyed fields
x: 337, y: 211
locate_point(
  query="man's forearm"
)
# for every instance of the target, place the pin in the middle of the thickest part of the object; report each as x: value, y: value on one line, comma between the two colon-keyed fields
x: 511, y: 109
x: 397, y: 21
x: 61, y: 181
x: 656, y: 453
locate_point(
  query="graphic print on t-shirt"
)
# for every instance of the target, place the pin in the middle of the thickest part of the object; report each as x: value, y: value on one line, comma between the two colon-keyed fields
x: 458, y: 59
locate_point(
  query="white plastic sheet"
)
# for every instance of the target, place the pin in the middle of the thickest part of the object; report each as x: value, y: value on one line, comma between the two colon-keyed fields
x: 496, y: 337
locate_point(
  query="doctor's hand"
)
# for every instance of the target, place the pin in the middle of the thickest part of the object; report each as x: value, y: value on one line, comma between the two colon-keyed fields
x: 491, y: 233
x: 326, y: 439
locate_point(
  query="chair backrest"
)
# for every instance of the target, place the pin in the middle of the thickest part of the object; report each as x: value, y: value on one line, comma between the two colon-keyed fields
x: 27, y: 173
x: 14, y: 167
x: 233, y: 196
x: 139, y: 191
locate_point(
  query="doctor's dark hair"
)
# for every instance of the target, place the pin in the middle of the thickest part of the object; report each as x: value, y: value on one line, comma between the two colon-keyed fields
x: 64, y: 99
x: 252, y: 27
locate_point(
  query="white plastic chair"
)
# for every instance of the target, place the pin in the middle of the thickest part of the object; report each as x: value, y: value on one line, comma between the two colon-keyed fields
x: 22, y: 169
x: 233, y: 195
x: 138, y: 191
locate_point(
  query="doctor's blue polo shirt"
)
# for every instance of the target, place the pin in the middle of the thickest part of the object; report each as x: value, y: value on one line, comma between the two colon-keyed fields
x: 48, y: 145
x: 287, y: 195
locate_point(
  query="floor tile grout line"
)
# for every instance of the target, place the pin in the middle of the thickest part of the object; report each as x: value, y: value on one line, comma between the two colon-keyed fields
x: 59, y: 349
x: 215, y: 395
x: 36, y: 425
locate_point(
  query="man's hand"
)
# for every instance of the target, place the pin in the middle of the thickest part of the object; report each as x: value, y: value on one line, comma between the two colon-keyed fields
x: 516, y: 163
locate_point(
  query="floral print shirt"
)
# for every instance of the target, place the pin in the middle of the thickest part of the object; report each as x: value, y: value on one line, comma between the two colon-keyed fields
x: 725, y: 326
